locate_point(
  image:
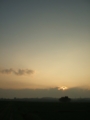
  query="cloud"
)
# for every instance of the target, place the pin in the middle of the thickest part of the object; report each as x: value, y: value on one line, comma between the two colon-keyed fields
x: 18, y: 72
x: 52, y: 92
x: 6, y: 71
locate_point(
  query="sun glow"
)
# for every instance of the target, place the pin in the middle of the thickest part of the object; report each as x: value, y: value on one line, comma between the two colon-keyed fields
x: 62, y: 88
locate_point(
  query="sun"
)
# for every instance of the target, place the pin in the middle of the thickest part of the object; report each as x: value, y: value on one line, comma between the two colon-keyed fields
x: 63, y: 88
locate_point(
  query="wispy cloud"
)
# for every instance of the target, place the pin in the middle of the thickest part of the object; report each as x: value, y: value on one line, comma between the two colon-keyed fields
x: 17, y: 72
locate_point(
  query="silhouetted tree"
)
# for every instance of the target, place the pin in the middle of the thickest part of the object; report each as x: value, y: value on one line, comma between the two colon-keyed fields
x: 64, y: 99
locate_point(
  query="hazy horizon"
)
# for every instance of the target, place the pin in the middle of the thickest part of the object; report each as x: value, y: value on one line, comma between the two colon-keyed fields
x: 50, y: 92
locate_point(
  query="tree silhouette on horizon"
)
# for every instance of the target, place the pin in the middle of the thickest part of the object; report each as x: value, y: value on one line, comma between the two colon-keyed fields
x: 65, y: 99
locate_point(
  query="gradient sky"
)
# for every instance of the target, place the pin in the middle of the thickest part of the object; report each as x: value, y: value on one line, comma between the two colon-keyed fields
x: 44, y: 44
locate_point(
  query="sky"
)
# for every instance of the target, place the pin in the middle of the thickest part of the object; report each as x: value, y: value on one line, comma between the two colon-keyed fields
x: 45, y: 44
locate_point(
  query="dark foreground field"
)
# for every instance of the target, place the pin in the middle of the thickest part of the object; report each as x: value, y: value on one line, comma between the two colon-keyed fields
x: 22, y: 110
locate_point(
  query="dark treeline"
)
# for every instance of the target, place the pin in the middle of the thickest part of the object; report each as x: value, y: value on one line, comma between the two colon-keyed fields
x: 47, y: 99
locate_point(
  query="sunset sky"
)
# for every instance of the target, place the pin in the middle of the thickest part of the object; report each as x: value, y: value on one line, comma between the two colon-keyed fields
x: 45, y: 44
